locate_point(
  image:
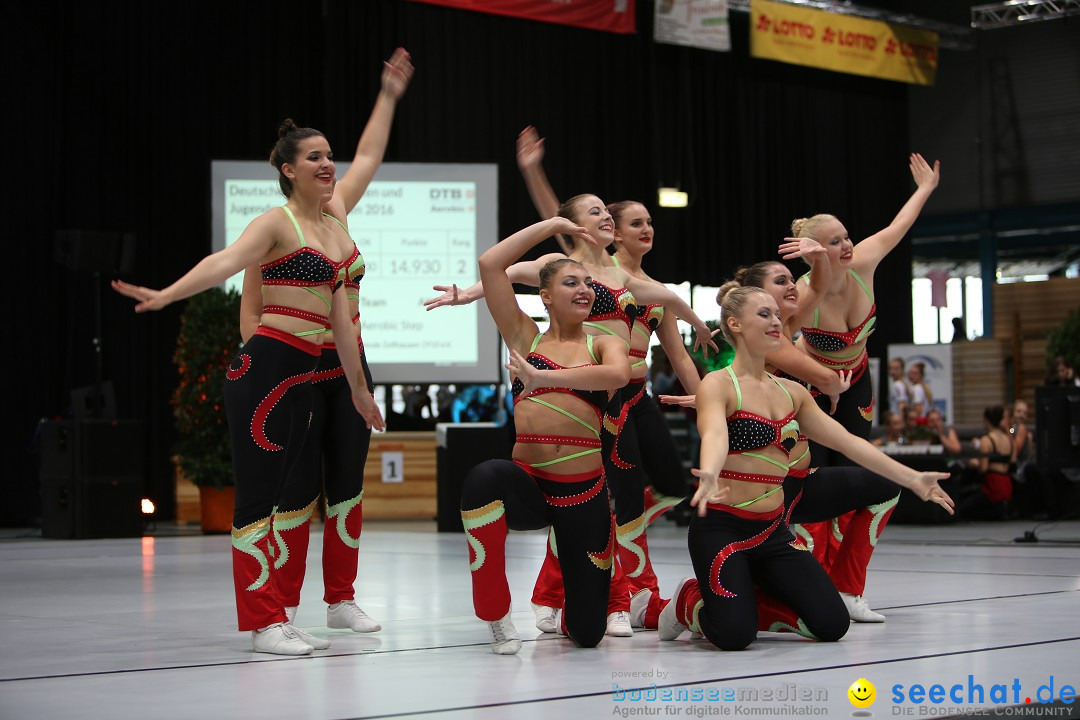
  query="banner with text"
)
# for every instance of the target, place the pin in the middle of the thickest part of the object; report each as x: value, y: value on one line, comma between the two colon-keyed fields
x: 694, y: 23
x: 816, y: 38
x: 615, y: 16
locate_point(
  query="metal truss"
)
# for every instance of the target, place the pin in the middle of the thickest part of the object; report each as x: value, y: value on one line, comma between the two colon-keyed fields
x: 1014, y: 12
x: 954, y: 37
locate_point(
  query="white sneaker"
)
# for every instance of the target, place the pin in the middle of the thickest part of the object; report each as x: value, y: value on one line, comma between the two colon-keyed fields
x: 290, y: 612
x: 859, y: 610
x: 316, y: 643
x: 618, y: 624
x: 639, y: 603
x: 545, y: 618
x: 346, y: 614
x: 504, y: 636
x: 668, y: 625
x: 279, y: 639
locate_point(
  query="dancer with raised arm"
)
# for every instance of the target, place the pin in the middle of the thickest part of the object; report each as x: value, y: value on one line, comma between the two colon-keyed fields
x: 300, y: 248
x: 616, y: 308
x: 750, y: 422
x: 335, y: 450
x: 845, y: 315
x: 562, y: 379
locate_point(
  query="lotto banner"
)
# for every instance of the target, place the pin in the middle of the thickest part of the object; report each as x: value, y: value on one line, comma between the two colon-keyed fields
x: 815, y: 38
x: 615, y: 16
x: 695, y: 23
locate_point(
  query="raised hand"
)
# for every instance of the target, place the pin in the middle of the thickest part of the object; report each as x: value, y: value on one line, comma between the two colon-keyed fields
x: 565, y: 226
x: 703, y: 338
x: 397, y: 72
x: 530, y: 149
x: 148, y: 299
x: 803, y: 247
x: 450, y: 296
x: 923, y: 174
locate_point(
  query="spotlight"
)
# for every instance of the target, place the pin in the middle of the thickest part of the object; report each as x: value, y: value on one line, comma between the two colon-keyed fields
x: 148, y: 506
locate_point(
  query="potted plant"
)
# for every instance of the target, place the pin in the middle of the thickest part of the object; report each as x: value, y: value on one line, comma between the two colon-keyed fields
x: 208, y: 340
x: 1064, y: 342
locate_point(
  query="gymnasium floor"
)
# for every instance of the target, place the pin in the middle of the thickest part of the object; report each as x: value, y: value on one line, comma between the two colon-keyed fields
x: 142, y: 628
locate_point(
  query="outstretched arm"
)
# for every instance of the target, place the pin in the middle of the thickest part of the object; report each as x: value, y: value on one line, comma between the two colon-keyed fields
x: 255, y: 242
x: 397, y: 72
x: 869, y: 252
x: 526, y: 272
x: 822, y: 428
x: 817, y: 281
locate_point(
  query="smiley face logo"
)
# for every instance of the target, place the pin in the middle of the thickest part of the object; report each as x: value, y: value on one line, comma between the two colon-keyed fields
x: 862, y: 693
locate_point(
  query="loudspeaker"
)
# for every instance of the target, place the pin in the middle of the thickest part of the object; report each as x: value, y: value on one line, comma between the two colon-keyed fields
x: 461, y: 446
x: 91, y: 479
x: 107, y: 252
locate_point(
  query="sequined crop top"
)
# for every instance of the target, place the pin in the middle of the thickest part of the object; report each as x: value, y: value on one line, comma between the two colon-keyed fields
x: 306, y: 267
x: 596, y: 398
x: 830, y: 341
x: 748, y: 431
x: 611, y: 304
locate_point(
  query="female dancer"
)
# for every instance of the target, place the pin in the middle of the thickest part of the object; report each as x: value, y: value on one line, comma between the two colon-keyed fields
x: 300, y: 248
x: 338, y: 438
x: 641, y: 442
x: 845, y: 315
x: 561, y: 383
x: 614, y: 313
x: 750, y: 422
x: 832, y: 491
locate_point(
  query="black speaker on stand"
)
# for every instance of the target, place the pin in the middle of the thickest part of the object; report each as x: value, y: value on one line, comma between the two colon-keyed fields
x: 91, y: 479
x: 92, y: 464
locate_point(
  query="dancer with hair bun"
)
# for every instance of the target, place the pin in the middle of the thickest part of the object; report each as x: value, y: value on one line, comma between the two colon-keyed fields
x: 562, y: 380
x: 750, y: 423
x: 300, y: 248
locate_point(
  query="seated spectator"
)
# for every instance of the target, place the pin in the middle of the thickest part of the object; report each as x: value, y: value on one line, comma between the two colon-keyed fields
x: 989, y: 500
x: 894, y: 431
x: 945, y: 435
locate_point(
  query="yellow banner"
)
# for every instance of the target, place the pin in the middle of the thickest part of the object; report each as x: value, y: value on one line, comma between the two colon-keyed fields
x: 815, y: 38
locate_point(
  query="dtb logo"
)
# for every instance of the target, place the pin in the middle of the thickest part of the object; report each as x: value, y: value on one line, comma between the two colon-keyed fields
x: 445, y: 194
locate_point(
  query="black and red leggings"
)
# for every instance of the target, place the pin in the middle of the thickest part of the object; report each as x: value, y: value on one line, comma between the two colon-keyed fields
x: 866, y: 501
x: 499, y: 495
x: 268, y: 404
x: 333, y: 457
x: 736, y: 555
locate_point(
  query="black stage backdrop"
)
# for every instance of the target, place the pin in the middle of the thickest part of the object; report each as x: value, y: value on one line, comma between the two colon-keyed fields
x: 120, y: 106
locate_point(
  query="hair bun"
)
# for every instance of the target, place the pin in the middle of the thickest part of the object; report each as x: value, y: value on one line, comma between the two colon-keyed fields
x: 797, y: 226
x: 287, y: 126
x: 728, y: 287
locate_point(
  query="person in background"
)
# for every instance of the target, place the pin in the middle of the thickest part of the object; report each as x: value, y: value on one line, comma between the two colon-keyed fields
x: 959, y: 334
x: 922, y: 400
x: 894, y: 430
x: 995, y: 491
x: 899, y: 393
x: 946, y: 435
